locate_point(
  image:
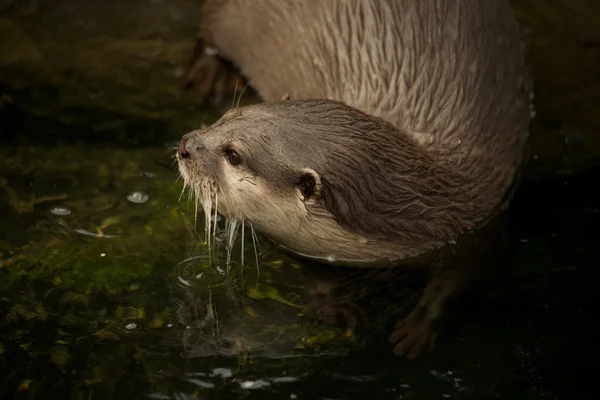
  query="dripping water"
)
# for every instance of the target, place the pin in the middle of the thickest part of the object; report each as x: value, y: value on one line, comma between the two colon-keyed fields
x: 231, y: 230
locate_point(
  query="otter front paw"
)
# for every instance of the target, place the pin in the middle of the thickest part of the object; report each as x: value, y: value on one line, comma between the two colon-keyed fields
x: 212, y: 76
x: 413, y: 334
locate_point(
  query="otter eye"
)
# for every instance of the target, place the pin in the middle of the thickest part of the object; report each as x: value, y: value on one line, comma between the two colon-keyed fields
x: 307, y: 186
x: 233, y: 157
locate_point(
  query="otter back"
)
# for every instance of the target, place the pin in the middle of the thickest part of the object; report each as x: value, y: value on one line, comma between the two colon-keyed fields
x: 450, y: 73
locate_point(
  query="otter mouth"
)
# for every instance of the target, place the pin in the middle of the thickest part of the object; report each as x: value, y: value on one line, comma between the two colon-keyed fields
x: 204, y: 192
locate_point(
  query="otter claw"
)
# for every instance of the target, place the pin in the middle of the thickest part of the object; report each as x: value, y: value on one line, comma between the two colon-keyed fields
x: 412, y: 335
x: 212, y: 76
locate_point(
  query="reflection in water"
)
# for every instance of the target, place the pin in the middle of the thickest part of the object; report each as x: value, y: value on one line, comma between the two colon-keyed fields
x: 93, y: 317
x: 285, y: 307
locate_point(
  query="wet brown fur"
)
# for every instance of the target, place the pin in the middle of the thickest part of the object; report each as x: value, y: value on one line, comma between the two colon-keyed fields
x: 410, y: 118
x: 426, y: 113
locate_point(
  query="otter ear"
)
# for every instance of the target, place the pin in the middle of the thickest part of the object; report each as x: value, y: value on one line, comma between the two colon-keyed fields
x: 308, y: 184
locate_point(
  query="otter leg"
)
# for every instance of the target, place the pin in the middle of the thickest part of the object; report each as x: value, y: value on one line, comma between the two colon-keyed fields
x: 474, y: 261
x: 212, y: 75
x: 415, y: 332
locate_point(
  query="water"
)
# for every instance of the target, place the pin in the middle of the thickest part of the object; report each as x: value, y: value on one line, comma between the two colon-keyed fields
x: 108, y: 297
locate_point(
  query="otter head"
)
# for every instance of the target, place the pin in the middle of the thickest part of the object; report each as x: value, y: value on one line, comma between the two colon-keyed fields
x: 320, y: 178
x: 255, y: 165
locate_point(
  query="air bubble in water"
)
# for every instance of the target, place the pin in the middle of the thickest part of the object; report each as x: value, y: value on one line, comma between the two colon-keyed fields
x: 59, y: 210
x: 137, y: 197
x: 131, y: 326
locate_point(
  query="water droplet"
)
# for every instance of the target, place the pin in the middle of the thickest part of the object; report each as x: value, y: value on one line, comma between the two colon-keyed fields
x: 196, y: 374
x: 103, y: 255
x: 202, y: 384
x: 131, y: 326
x: 222, y: 372
x: 254, y: 384
x: 60, y: 210
x: 137, y: 197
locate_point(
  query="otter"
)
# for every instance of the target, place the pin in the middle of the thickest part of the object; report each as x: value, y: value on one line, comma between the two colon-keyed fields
x: 388, y: 128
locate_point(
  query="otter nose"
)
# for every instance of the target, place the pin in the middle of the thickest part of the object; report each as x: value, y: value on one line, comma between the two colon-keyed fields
x: 181, y: 151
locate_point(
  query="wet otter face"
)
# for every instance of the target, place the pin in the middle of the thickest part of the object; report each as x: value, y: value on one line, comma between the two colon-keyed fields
x: 251, y: 166
x: 320, y: 178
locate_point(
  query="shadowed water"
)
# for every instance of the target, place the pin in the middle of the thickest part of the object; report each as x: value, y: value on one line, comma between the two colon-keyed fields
x: 108, y: 292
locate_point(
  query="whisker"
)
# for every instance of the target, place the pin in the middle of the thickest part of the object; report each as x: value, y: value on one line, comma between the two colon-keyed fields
x: 234, y: 94
x: 241, y: 94
x: 257, y: 241
x: 182, y: 191
x: 189, y: 199
x: 254, y: 245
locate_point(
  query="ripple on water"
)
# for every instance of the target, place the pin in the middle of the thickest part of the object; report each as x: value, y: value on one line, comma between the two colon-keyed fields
x: 198, y: 272
x: 60, y: 210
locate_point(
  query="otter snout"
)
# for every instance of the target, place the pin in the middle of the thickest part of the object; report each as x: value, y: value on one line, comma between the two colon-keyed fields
x: 196, y: 160
x: 191, y: 144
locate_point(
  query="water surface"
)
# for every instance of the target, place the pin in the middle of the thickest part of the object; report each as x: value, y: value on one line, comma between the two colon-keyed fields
x: 108, y: 292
